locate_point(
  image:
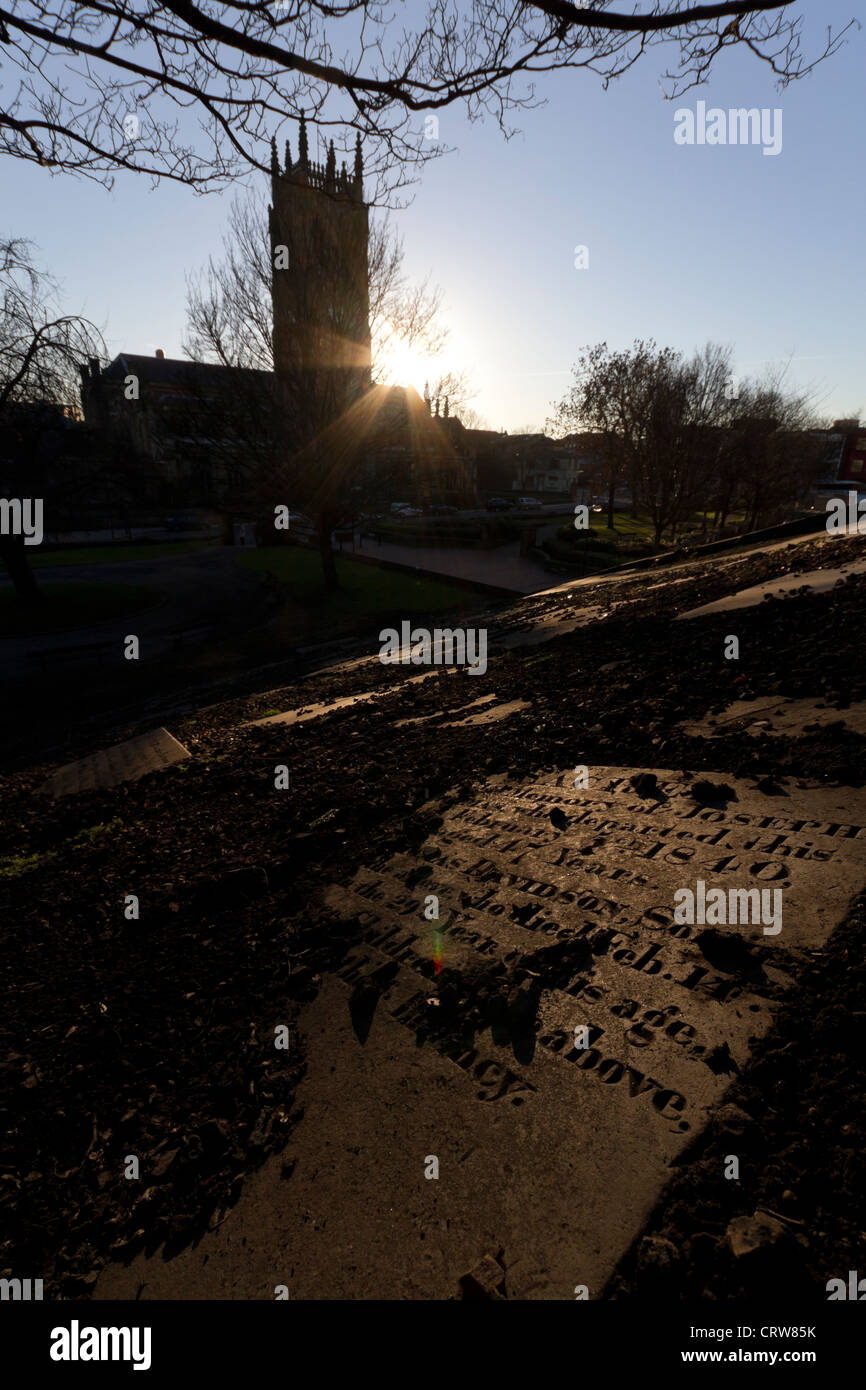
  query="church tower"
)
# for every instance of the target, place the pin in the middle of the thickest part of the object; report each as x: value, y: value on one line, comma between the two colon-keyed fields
x: 319, y: 231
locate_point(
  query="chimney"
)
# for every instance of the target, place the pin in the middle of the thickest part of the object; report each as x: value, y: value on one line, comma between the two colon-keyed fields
x: 160, y: 354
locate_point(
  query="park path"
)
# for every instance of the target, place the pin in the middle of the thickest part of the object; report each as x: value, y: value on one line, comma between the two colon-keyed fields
x: 503, y: 567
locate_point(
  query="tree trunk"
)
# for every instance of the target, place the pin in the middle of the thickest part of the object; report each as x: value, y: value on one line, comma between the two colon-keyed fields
x: 610, y: 512
x: 14, y: 556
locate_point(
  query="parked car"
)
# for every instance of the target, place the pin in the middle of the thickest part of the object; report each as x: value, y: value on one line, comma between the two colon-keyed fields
x: 409, y: 511
x: 302, y: 529
x: 442, y: 509
x: 498, y: 504
x: 398, y: 506
x: 529, y: 503
x: 183, y: 523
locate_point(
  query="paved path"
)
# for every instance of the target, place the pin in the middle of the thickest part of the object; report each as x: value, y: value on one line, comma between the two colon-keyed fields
x: 503, y: 567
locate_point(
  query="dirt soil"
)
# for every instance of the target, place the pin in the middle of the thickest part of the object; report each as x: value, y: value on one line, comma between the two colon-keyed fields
x: 144, y: 1038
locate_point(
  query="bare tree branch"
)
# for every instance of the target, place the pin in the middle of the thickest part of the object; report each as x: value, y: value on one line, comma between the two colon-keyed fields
x: 41, y: 352
x: 193, y: 92
x: 229, y: 305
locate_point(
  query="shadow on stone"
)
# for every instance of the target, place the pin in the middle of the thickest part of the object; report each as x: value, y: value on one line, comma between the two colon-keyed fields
x: 731, y: 954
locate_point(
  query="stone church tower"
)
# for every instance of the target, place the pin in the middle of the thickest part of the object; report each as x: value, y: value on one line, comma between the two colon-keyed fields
x: 319, y: 232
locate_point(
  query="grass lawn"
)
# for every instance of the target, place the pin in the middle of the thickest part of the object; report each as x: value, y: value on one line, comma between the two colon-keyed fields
x: 368, y: 593
x: 112, y: 554
x: 640, y: 527
x: 69, y: 606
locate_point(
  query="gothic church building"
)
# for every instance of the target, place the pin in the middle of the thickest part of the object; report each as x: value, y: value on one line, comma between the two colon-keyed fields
x: 321, y: 328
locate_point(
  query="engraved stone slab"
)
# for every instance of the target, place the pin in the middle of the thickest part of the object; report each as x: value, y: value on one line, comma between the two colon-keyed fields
x: 777, y: 714
x: 489, y: 716
x: 314, y: 711
x: 816, y: 581
x: 587, y: 1134
x: 124, y: 762
x: 549, y: 625
x: 437, y: 714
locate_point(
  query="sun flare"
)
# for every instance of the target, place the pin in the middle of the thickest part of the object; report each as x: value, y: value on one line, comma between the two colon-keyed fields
x: 403, y: 366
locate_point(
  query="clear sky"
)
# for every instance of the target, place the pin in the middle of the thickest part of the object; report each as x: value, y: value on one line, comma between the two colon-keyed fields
x: 685, y: 243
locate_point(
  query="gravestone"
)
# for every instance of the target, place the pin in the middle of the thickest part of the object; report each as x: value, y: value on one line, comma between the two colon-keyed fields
x: 783, y: 586
x: 124, y: 762
x: 672, y: 1009
x: 491, y: 715
x: 313, y: 711
x: 542, y: 627
x: 777, y: 715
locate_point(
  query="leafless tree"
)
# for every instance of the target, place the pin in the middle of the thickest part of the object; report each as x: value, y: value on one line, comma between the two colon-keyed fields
x: 658, y: 417
x: 402, y: 315
x: 230, y: 321
x: 454, y: 387
x: 194, y: 91
x: 472, y: 420
x: 688, y: 433
x: 773, y: 448
x: 602, y: 400
x: 230, y: 311
x: 41, y: 351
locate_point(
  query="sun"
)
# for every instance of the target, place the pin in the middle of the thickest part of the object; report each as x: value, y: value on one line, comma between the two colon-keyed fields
x: 403, y: 366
